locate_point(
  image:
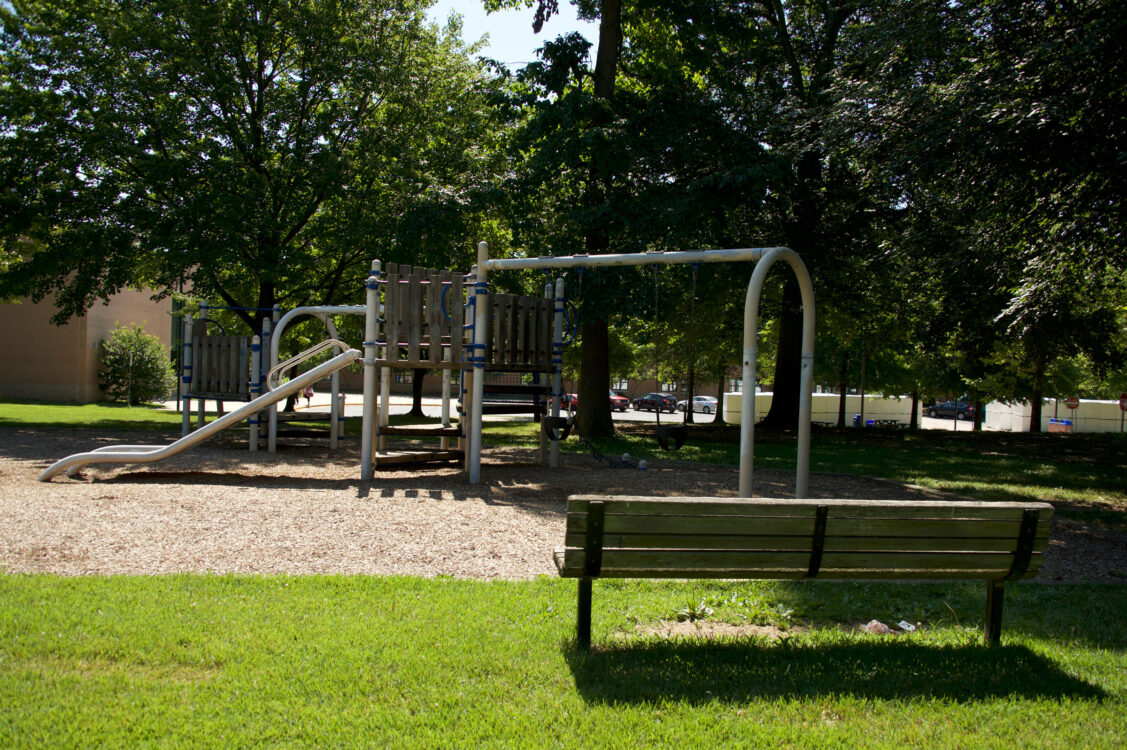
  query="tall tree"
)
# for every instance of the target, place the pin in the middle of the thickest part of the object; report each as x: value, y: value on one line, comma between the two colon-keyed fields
x: 260, y: 151
x: 997, y: 118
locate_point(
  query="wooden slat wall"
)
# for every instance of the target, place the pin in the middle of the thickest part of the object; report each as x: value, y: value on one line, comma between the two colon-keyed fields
x: 716, y: 537
x: 221, y: 368
x: 518, y: 333
x: 416, y: 326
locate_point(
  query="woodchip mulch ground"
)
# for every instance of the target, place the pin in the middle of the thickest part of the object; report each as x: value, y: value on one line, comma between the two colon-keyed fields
x: 218, y: 508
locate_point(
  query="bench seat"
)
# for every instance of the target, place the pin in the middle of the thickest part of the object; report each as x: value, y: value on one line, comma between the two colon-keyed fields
x: 759, y: 538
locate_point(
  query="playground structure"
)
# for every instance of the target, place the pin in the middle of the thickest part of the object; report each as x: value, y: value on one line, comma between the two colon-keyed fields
x: 428, y: 319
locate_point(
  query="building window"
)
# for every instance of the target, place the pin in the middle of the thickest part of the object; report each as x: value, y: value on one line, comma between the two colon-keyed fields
x: 735, y: 385
x: 671, y: 387
x: 404, y: 376
x: 620, y: 385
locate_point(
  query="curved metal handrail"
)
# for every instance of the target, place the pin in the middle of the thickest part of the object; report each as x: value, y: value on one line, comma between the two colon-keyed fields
x: 301, y: 357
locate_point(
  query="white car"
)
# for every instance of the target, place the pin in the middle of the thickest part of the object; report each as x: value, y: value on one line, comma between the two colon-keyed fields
x: 703, y: 404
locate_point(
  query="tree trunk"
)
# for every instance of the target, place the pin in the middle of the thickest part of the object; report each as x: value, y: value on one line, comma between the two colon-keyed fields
x: 914, y: 419
x: 417, y: 377
x: 783, y: 414
x: 719, y: 417
x: 594, y: 381
x: 594, y: 365
x: 842, y: 389
x: 1038, y: 395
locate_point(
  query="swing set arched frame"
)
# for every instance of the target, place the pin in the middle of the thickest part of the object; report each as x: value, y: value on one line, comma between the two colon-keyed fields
x: 764, y: 258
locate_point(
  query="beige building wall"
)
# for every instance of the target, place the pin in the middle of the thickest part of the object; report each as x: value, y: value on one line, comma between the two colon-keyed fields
x: 45, y: 362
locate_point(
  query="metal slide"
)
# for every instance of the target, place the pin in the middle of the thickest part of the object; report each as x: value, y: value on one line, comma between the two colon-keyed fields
x: 143, y: 454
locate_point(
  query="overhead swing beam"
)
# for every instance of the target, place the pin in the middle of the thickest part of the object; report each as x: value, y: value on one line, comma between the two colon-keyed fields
x: 751, y: 313
x: 671, y: 258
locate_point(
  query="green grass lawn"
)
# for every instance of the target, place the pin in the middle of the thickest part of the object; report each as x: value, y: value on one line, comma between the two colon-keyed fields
x: 363, y: 661
x: 100, y: 416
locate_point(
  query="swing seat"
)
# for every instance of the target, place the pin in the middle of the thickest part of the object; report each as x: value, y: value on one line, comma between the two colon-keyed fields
x: 556, y: 428
x: 670, y: 437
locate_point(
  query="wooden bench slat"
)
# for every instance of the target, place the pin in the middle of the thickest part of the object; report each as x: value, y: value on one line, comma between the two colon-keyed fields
x: 942, y: 544
x: 752, y: 525
x: 931, y: 528
x: 751, y: 561
x: 837, y: 508
x: 804, y: 542
x: 706, y: 525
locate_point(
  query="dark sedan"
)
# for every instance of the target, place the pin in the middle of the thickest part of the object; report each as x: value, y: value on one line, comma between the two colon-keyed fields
x: 948, y: 409
x: 655, y: 402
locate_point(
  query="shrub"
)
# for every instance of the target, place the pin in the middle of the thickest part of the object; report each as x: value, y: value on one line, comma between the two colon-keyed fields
x: 135, y: 366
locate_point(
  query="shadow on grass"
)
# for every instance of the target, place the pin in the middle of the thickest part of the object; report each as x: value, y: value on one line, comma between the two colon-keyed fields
x: 739, y: 671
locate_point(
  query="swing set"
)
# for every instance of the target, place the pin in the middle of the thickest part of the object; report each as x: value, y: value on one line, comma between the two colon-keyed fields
x: 764, y: 258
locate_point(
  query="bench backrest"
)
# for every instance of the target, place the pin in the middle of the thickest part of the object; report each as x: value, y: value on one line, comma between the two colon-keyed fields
x: 708, y: 537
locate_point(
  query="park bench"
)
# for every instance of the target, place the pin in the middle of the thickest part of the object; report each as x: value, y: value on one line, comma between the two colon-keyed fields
x: 741, y: 538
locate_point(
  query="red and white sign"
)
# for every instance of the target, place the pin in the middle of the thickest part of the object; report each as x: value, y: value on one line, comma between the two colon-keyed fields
x: 1123, y: 401
x: 1072, y: 402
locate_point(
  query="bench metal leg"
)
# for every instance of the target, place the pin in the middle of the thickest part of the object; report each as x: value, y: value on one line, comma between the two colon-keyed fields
x: 995, y: 590
x: 583, y: 615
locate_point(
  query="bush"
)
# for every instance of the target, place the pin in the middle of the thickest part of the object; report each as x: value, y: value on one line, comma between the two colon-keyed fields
x: 135, y: 367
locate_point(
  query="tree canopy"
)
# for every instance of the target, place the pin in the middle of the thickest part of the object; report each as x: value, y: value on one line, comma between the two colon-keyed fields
x: 951, y: 172
x: 259, y: 152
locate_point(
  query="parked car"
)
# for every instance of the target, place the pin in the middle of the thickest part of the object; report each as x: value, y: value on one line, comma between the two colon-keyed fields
x: 703, y: 404
x: 948, y: 409
x: 569, y: 401
x: 617, y: 402
x: 655, y: 402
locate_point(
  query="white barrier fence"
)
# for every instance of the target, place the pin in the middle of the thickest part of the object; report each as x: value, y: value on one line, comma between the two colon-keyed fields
x: 1090, y: 416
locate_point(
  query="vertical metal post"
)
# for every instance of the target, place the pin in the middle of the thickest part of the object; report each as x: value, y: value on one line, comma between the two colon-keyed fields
x: 186, y: 377
x: 545, y: 442
x: 272, y: 438
x: 197, y: 375
x: 336, y: 415
x: 371, y: 332
x: 477, y: 359
x: 270, y: 412
x: 592, y: 566
x: 992, y: 627
x: 467, y: 377
x: 557, y: 365
x: 255, y: 387
x: 444, y: 444
x: 583, y: 615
